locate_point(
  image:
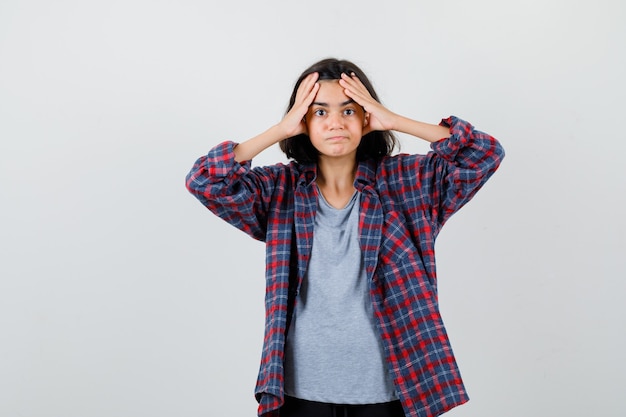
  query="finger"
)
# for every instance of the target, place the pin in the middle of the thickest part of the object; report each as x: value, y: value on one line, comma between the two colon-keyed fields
x: 365, y: 100
x: 307, y: 83
x: 355, y: 89
x: 354, y: 82
x: 301, y: 107
x: 305, y: 102
x: 312, y: 94
x: 347, y: 82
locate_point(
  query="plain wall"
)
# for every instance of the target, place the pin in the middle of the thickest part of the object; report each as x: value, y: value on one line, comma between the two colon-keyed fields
x: 121, y: 296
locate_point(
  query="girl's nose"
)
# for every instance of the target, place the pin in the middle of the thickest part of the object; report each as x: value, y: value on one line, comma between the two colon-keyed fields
x: 335, y: 121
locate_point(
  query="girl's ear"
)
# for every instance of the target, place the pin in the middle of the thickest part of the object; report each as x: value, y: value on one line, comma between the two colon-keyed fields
x: 366, y: 119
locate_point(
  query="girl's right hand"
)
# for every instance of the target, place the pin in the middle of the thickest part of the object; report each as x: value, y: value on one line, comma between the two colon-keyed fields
x: 293, y: 123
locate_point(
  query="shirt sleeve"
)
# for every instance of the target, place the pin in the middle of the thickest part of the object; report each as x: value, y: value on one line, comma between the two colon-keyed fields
x: 232, y: 190
x: 463, y: 163
x: 450, y: 175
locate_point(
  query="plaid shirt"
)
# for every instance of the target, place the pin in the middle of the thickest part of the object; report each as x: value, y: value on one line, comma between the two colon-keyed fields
x: 405, y: 200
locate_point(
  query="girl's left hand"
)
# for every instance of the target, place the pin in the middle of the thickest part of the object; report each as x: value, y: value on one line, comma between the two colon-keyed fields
x: 378, y: 116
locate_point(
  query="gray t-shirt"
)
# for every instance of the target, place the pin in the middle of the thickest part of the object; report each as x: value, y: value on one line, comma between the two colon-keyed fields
x: 333, y: 352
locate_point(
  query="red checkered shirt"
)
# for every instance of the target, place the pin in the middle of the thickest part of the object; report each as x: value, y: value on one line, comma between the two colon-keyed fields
x: 405, y: 200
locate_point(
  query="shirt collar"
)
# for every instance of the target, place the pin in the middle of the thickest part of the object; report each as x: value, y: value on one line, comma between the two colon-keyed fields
x: 365, y: 174
x: 308, y: 174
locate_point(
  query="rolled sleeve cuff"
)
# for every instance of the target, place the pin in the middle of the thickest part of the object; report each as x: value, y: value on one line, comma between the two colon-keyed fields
x: 460, y: 135
x: 220, y: 162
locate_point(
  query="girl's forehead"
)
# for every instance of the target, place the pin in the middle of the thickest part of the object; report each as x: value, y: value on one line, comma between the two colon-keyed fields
x: 332, y: 90
x: 327, y: 83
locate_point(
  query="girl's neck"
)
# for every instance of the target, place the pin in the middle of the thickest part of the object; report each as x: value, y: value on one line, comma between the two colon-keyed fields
x: 335, y: 180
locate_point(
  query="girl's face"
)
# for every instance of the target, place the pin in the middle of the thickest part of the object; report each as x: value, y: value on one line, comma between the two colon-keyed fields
x: 335, y: 122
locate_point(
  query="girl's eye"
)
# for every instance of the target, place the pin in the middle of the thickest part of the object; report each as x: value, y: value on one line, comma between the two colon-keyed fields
x: 348, y: 112
x: 319, y: 112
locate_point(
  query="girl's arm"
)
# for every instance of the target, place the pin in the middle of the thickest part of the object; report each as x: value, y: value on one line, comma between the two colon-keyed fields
x: 381, y: 118
x: 225, y: 183
x: 429, y: 132
x: 462, y: 158
x: 291, y: 125
x: 234, y: 191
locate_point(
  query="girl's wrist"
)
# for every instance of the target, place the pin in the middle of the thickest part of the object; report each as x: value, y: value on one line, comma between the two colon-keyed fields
x: 279, y: 131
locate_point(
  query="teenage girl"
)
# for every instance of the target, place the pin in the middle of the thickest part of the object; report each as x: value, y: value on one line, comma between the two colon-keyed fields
x: 352, y: 319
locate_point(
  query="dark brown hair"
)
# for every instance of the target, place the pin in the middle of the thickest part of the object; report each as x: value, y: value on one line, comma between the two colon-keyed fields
x: 375, y: 144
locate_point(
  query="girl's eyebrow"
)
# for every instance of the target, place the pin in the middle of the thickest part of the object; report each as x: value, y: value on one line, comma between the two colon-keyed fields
x: 345, y: 103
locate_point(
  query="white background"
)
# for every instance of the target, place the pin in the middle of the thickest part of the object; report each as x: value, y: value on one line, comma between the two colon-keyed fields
x: 121, y: 296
